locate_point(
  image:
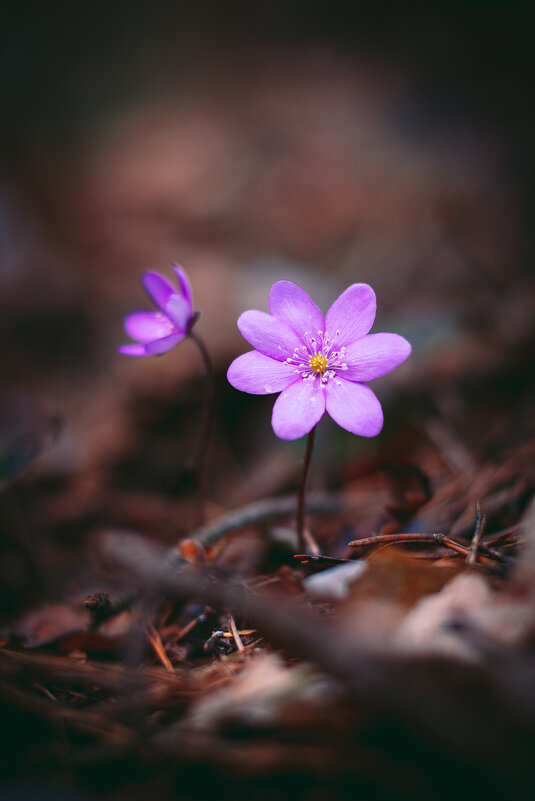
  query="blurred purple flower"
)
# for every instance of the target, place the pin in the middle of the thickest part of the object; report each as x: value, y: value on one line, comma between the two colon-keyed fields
x: 317, y: 364
x: 159, y: 331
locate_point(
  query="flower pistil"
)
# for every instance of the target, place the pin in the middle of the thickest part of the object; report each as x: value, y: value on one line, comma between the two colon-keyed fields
x: 318, y: 362
x: 318, y: 358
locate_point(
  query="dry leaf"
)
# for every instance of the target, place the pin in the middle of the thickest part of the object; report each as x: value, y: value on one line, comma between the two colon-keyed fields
x: 49, y: 623
x: 429, y: 626
x: 400, y: 578
x: 258, y: 694
x: 334, y: 583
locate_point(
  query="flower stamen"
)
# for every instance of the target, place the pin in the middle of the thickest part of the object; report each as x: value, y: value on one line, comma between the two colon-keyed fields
x: 318, y: 363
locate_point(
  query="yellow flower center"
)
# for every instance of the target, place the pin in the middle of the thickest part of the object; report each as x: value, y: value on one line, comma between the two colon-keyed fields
x: 318, y: 363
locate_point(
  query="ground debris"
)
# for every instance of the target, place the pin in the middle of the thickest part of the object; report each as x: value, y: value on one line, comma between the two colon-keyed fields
x: 223, y: 659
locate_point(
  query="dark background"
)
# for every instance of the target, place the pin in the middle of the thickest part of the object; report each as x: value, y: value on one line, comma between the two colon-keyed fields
x: 327, y: 143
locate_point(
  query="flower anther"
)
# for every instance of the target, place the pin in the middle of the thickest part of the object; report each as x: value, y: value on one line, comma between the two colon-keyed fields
x: 318, y: 362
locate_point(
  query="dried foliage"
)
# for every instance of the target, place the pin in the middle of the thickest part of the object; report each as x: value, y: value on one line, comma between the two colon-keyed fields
x: 208, y: 663
x: 144, y: 656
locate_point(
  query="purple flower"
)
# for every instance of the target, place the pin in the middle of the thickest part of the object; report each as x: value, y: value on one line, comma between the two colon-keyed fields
x: 317, y: 364
x: 159, y: 331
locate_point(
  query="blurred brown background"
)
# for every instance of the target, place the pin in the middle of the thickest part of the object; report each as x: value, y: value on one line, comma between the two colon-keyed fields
x: 325, y: 143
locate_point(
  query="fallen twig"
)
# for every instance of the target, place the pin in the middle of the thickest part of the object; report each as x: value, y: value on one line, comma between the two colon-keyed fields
x: 101, y: 607
x: 435, y: 538
x: 157, y: 644
x: 235, y: 634
x: 481, y: 522
x: 381, y: 539
x: 266, y: 509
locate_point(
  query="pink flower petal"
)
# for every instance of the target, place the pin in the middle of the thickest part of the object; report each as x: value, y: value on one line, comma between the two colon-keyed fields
x: 163, y: 345
x: 146, y: 326
x: 290, y: 303
x: 184, y: 284
x: 375, y: 355
x: 352, y: 314
x: 269, y: 335
x: 258, y: 374
x: 133, y: 350
x: 158, y: 288
x: 298, y: 408
x: 178, y: 310
x: 354, y: 407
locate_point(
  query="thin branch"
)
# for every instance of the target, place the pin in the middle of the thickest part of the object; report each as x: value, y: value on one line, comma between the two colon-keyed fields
x: 501, y: 537
x: 101, y: 607
x: 440, y: 539
x: 481, y: 522
x: 266, y: 509
x: 380, y: 539
x: 235, y: 634
x: 158, y: 647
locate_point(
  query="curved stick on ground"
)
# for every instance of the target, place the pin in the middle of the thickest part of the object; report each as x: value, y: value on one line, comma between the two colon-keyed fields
x: 266, y: 509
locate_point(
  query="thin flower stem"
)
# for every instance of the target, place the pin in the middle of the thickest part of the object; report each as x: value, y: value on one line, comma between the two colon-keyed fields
x: 302, y: 492
x: 206, y: 429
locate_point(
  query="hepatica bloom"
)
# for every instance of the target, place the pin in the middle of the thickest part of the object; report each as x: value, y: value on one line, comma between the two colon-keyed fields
x: 317, y: 363
x: 159, y: 331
